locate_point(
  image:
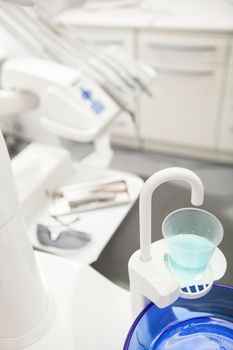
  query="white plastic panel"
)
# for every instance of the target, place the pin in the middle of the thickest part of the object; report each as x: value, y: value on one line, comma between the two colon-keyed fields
x: 92, y: 312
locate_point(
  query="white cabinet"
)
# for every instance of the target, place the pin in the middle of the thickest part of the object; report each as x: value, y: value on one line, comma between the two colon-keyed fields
x: 226, y: 126
x: 184, y: 109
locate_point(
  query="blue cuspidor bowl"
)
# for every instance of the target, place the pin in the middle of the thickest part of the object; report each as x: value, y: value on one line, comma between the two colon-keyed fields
x: 199, y: 324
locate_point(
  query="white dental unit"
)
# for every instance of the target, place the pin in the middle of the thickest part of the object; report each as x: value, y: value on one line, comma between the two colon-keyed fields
x: 72, y: 107
x: 47, y: 318
x: 42, y: 313
x: 74, y: 104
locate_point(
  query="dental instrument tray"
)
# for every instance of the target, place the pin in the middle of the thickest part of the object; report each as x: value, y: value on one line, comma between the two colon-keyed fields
x: 89, y: 196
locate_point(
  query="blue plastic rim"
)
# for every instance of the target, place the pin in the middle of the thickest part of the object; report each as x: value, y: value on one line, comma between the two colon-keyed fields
x: 205, y: 323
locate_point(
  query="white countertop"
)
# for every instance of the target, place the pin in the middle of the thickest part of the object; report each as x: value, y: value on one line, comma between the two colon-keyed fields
x: 207, y: 15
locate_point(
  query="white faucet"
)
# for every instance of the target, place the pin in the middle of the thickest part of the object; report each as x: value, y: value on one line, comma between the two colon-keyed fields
x: 150, y: 278
x: 170, y: 174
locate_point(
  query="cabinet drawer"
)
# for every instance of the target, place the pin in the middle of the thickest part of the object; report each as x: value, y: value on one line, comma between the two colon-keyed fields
x: 156, y: 49
x: 183, y: 109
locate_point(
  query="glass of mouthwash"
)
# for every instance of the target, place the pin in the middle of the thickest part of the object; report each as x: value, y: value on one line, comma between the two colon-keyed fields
x: 192, y: 236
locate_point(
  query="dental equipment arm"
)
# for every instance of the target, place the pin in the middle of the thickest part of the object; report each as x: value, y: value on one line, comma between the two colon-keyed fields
x: 118, y: 74
x: 102, y: 84
x: 72, y: 105
x: 24, y: 305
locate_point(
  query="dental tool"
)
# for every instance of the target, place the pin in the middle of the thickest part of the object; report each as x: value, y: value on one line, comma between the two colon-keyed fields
x: 89, y: 196
x: 61, y: 238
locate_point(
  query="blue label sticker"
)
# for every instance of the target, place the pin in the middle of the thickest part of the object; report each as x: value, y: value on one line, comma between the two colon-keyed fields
x: 97, y: 106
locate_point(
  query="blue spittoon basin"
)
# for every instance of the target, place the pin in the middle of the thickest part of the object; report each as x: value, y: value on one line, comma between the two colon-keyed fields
x: 205, y: 324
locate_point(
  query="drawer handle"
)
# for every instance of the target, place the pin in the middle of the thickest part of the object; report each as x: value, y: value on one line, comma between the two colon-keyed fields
x: 165, y: 47
x: 183, y: 72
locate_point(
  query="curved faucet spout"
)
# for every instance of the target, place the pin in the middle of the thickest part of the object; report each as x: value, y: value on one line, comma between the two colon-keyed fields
x: 170, y: 174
